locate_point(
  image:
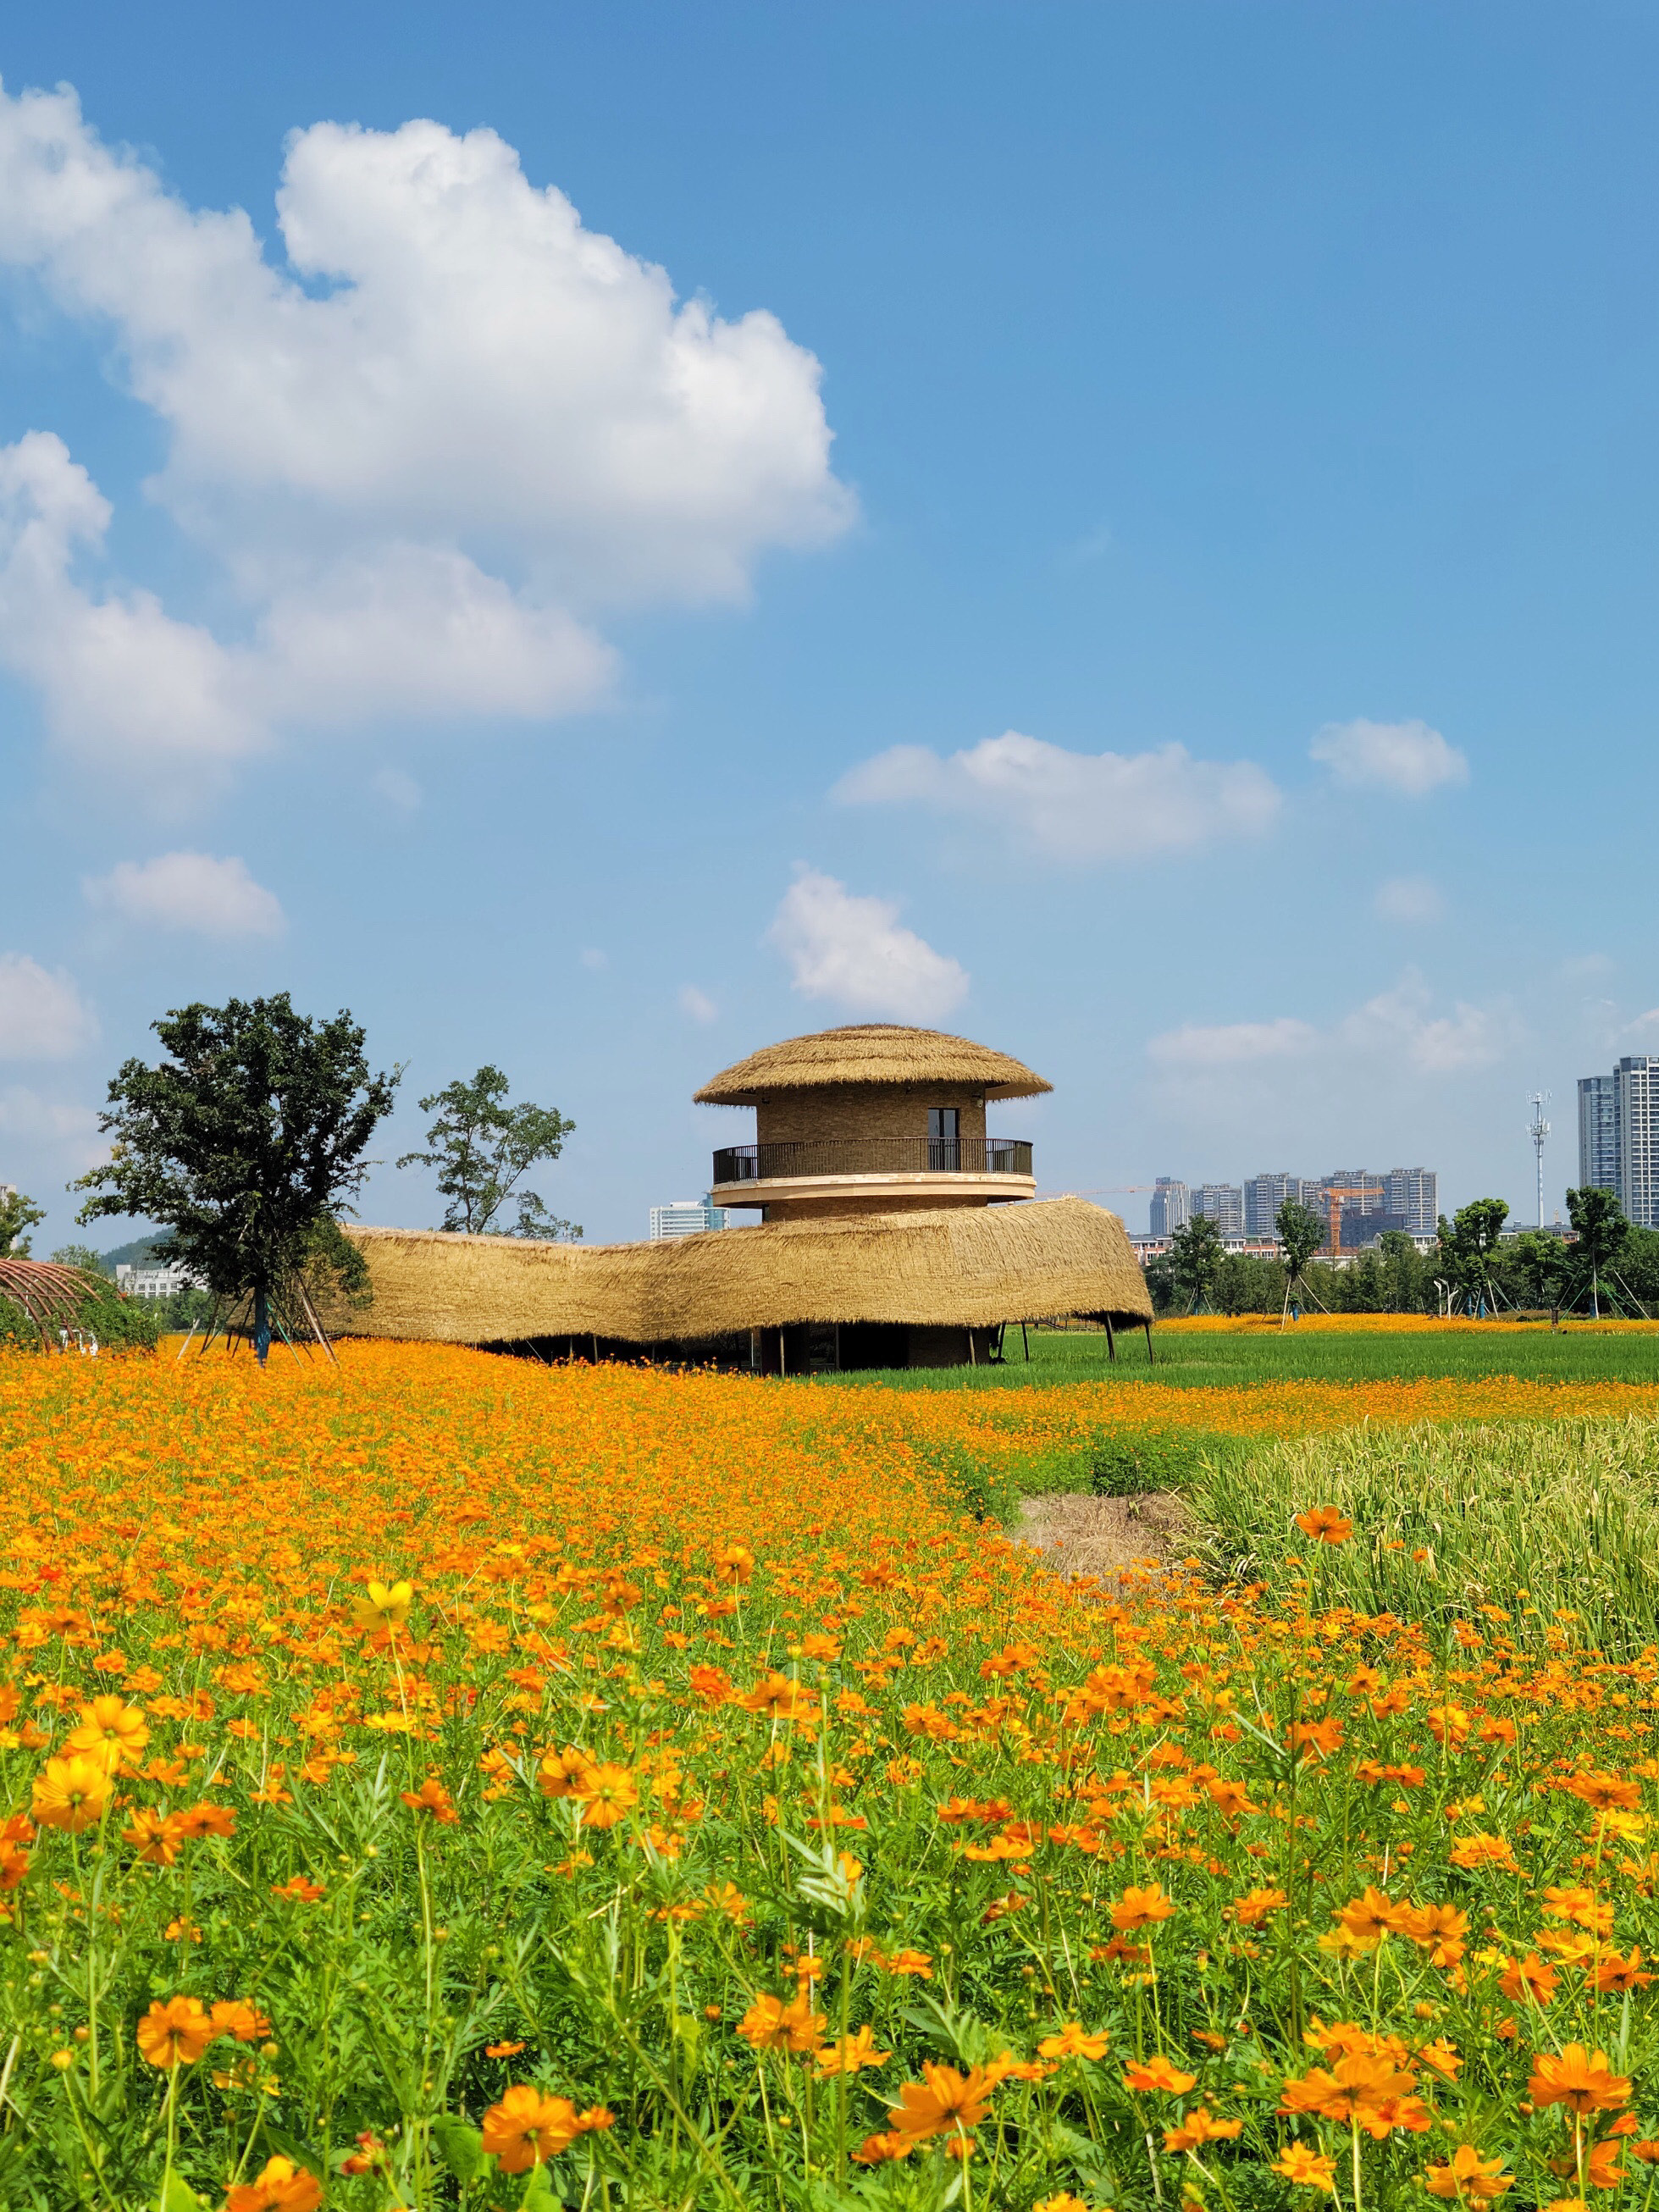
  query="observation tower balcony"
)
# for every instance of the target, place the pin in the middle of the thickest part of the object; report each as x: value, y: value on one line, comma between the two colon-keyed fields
x: 875, y: 1174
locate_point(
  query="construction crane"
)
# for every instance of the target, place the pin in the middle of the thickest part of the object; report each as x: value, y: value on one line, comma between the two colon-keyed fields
x: 1333, y: 1193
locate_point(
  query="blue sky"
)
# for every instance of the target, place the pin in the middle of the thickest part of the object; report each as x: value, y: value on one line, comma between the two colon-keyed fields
x: 605, y: 641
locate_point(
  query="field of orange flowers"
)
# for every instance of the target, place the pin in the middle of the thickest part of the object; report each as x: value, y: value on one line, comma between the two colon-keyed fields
x: 451, y: 1781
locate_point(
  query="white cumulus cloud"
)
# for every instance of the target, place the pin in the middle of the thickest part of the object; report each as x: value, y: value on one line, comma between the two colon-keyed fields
x: 427, y: 438
x: 697, y: 1004
x: 854, y: 951
x: 1406, y: 758
x: 1232, y: 1044
x: 1410, y: 899
x: 42, y: 1014
x: 1398, y: 1031
x: 189, y: 891
x: 1076, y: 806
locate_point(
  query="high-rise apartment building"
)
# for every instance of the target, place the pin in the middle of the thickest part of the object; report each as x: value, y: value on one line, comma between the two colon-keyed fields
x: 1598, y: 1132
x: 686, y: 1216
x: 1172, y: 1207
x: 1222, y: 1203
x: 1618, y: 1136
x: 1636, y: 1110
x: 1413, y: 1194
x: 1265, y: 1194
x: 1364, y: 1201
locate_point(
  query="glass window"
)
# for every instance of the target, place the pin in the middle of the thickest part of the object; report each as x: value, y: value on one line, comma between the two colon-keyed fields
x: 942, y: 1124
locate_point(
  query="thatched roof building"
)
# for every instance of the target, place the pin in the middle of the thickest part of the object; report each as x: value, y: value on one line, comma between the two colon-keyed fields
x: 892, y: 1233
x: 866, y: 1054
x: 958, y: 1268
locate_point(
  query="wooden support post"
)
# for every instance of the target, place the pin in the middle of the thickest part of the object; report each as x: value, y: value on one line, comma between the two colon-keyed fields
x: 1111, y: 1341
x: 1148, y: 1326
x: 1026, y: 1341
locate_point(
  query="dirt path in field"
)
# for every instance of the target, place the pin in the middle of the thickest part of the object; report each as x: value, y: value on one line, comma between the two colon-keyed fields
x: 1080, y: 1534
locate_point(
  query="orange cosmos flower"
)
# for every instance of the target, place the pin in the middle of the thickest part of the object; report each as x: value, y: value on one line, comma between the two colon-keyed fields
x: 560, y: 1771
x: 608, y: 1794
x: 432, y: 1797
x: 734, y: 1563
x: 1614, y: 1971
x: 175, y: 2033
x: 1307, y: 2169
x: 282, y: 2186
x: 526, y: 2126
x: 383, y: 1605
x: 299, y: 1891
x: 1073, y: 2041
x: 944, y: 2102
x: 1606, y: 1793
x: 878, y: 2150
x: 196, y: 1821
x: 1478, y: 1851
x: 779, y: 1699
x: 1253, y: 1908
x: 1440, y: 1929
x: 110, y: 1729
x: 1469, y: 2177
x: 1160, y: 2074
x: 1325, y: 1525
x: 1528, y: 1979
x: 1140, y: 1908
x: 1200, y: 2127
x: 848, y: 2053
x: 769, y: 2024
x: 245, y: 2021
x: 1371, y: 1917
x: 71, y: 1793
x: 1581, y: 2079
x: 155, y: 1838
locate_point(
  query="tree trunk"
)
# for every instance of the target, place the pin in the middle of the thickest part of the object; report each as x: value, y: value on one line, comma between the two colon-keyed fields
x: 261, y: 1326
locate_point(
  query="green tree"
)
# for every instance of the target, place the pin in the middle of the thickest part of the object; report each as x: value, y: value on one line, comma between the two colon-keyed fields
x: 481, y: 1148
x: 1161, y: 1286
x: 1404, y: 1275
x: 1301, y: 1232
x: 1638, y: 1266
x: 1195, y: 1253
x: 18, y: 1215
x: 1538, y: 1265
x: 79, y: 1255
x: 1603, y: 1231
x: 244, y: 1144
x: 1468, y: 1243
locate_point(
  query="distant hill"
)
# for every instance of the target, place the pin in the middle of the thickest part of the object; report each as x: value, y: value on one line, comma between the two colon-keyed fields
x: 135, y: 1255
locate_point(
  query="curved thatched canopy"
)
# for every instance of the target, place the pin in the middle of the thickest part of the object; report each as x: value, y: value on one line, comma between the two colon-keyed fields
x: 870, y: 1053
x: 961, y: 1266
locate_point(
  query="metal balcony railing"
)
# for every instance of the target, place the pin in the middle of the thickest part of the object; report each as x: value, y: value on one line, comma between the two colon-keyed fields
x: 873, y: 1155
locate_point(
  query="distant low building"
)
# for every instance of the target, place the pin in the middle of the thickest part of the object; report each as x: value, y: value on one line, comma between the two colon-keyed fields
x: 686, y: 1216
x: 153, y: 1282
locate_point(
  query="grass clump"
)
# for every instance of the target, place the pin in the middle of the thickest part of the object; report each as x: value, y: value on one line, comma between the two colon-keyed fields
x: 1557, y: 1523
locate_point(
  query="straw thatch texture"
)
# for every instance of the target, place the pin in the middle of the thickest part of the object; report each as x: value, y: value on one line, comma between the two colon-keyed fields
x: 956, y: 1267
x: 872, y: 1053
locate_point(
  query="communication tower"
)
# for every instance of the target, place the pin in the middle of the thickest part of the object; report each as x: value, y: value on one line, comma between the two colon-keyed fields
x: 1538, y: 1129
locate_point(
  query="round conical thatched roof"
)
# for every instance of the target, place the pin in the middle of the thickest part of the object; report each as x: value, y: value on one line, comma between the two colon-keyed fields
x: 874, y: 1053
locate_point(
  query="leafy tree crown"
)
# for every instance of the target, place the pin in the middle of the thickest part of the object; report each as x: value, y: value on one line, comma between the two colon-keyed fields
x: 245, y: 1142
x: 481, y: 1148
